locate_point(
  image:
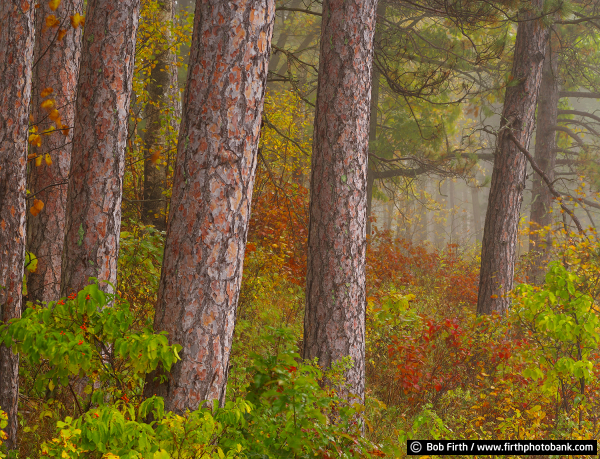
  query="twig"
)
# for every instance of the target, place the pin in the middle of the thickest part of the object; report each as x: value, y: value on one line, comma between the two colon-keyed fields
x: 546, y: 181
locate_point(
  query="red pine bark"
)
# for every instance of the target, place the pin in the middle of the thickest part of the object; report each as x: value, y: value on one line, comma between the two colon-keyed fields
x: 508, y: 177
x: 212, y: 191
x: 16, y: 61
x: 334, y: 321
x: 57, y: 67
x: 98, y: 157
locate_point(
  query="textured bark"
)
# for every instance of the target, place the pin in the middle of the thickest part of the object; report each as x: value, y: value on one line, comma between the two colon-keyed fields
x: 508, y: 177
x: 163, y: 90
x: 57, y: 67
x: 545, y: 157
x: 16, y: 61
x: 334, y: 321
x: 98, y: 157
x: 212, y: 191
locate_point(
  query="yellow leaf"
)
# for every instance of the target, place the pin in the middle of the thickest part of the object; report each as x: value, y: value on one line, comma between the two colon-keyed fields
x: 54, y: 116
x: 38, y: 161
x: 52, y: 21
x: 48, y: 104
x: 46, y: 92
x: 53, y: 4
x: 48, y: 159
x: 77, y: 19
x: 35, y: 140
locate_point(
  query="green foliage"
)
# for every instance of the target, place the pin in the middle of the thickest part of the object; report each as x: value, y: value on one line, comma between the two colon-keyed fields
x: 83, y: 336
x: 140, y: 260
x: 565, y: 328
x: 288, y: 412
x: 120, y: 430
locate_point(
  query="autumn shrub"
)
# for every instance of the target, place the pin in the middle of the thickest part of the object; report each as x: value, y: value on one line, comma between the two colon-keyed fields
x: 76, y: 353
x: 532, y: 374
x: 287, y: 411
x: 140, y: 259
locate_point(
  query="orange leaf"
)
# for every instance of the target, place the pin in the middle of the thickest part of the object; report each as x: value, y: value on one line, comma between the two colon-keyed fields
x: 52, y: 21
x: 46, y: 92
x: 154, y: 157
x: 37, y: 204
x: 61, y: 34
x: 47, y: 104
x: 64, y: 129
x: 54, y: 116
x: 53, y: 4
x: 77, y: 19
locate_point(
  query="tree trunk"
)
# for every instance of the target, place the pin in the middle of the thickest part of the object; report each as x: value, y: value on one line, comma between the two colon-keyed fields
x: 98, y: 157
x: 283, y: 37
x: 476, y: 213
x: 389, y: 210
x: 373, y: 123
x: 440, y: 226
x: 16, y: 61
x: 545, y: 157
x: 452, y: 211
x: 334, y: 321
x: 163, y: 91
x: 212, y: 192
x: 57, y: 67
x: 464, y: 222
x: 508, y: 177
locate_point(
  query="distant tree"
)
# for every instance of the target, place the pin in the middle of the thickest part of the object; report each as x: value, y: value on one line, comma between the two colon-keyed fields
x: 96, y: 174
x: 17, y: 33
x: 57, y: 53
x: 212, y: 192
x: 545, y: 157
x: 334, y: 323
x: 163, y: 92
x: 499, y: 243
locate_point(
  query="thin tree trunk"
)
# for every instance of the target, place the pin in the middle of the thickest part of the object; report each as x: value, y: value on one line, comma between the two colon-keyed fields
x: 16, y: 60
x: 98, y: 157
x: 163, y: 91
x: 439, y: 226
x: 212, y: 192
x: 452, y: 211
x: 375, y: 83
x: 476, y: 213
x: 57, y: 68
x: 508, y: 177
x: 389, y: 208
x: 545, y: 157
x: 334, y: 321
x: 282, y: 39
x: 464, y: 222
